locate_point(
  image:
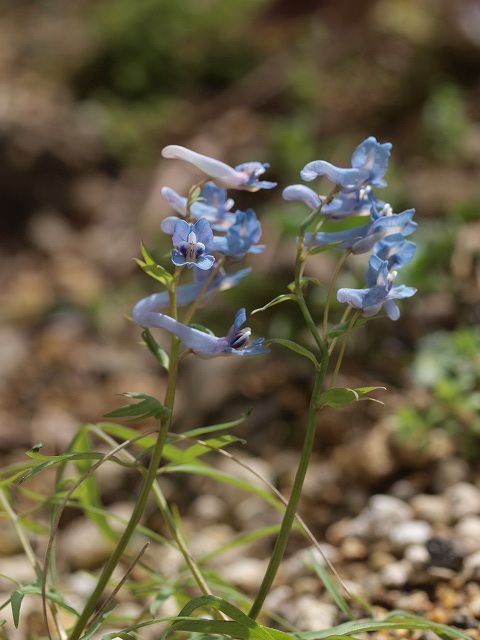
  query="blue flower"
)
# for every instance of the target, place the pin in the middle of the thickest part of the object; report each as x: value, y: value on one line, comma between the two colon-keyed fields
x: 369, y: 165
x: 380, y: 292
x: 212, y: 204
x: 244, y: 176
x: 241, y: 237
x: 362, y: 239
x: 236, y: 342
x: 302, y: 193
x: 187, y: 293
x: 348, y: 203
x: 191, y: 242
x: 395, y: 250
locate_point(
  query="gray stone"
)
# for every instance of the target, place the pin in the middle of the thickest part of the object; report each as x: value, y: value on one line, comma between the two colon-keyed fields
x: 396, y: 574
x: 467, y: 532
x: 464, y: 499
x: 433, y: 509
x: 412, y: 532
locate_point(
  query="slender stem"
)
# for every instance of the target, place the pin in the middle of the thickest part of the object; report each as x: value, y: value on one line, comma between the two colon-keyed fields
x: 30, y: 554
x: 343, y: 319
x: 289, y: 516
x: 170, y: 521
x: 148, y: 481
x: 291, y: 509
x: 343, y: 347
x: 331, y: 287
x: 208, y: 281
x: 129, y: 570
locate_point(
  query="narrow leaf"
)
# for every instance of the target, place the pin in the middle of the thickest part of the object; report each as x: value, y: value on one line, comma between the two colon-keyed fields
x: 337, y: 597
x: 16, y: 602
x: 297, y: 348
x: 155, y: 349
x: 284, y: 297
x: 337, y: 397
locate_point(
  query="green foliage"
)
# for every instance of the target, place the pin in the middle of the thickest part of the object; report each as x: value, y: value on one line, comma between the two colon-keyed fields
x: 146, y: 407
x: 152, y: 269
x: 446, y: 372
x: 342, y: 397
x: 446, y: 120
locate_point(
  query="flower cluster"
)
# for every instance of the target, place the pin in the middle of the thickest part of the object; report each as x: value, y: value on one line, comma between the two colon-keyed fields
x: 374, y: 226
x: 206, y: 236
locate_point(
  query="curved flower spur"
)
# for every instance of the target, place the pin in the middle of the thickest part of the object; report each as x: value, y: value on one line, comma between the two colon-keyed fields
x: 236, y: 342
x: 244, y: 176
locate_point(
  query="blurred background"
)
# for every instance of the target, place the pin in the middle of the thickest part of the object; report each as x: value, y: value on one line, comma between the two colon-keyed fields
x: 90, y: 91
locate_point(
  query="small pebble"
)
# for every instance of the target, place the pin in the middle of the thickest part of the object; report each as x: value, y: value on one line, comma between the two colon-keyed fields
x: 412, y: 532
x: 353, y: 549
x: 433, y: 509
x: 467, y: 531
x: 417, y: 555
x: 464, y: 499
x: 396, y: 574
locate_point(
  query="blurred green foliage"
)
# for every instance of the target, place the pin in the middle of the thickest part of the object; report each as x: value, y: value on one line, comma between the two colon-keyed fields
x: 446, y: 372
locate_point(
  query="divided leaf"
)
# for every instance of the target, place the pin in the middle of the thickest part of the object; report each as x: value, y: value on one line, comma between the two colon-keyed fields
x: 343, y: 396
x: 146, y: 407
x: 152, y: 269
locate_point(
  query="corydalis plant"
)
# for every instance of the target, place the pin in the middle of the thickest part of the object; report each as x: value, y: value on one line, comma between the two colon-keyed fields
x: 208, y: 239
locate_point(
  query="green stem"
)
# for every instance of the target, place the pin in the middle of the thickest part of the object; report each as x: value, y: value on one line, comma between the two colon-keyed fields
x: 331, y: 287
x: 148, y: 481
x: 343, y: 347
x: 208, y: 281
x: 290, y: 512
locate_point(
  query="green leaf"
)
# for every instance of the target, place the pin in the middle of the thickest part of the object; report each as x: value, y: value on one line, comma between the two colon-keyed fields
x: 337, y: 597
x: 406, y: 623
x: 284, y: 297
x: 155, y: 349
x: 196, y: 433
x: 197, y: 450
x: 325, y: 247
x: 294, y: 346
x: 340, y: 329
x: 160, y: 598
x: 151, y: 268
x: 304, y: 282
x: 201, y: 468
x: 88, y: 492
x: 337, y: 397
x: 245, y: 538
x: 241, y: 626
x: 16, y: 602
x: 146, y: 407
x: 364, y: 391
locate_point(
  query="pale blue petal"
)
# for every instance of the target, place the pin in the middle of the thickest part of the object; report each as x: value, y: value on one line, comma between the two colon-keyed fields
x: 180, y: 232
x: 203, y: 231
x: 402, y: 291
x: 392, y: 310
x: 168, y: 224
x: 220, y: 244
x: 204, y: 262
x: 219, y: 171
x: 175, y: 200
x: 373, y: 157
x: 348, y: 179
x: 302, y: 193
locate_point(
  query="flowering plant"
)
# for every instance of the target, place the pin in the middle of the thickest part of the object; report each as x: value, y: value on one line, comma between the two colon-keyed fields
x: 208, y: 240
